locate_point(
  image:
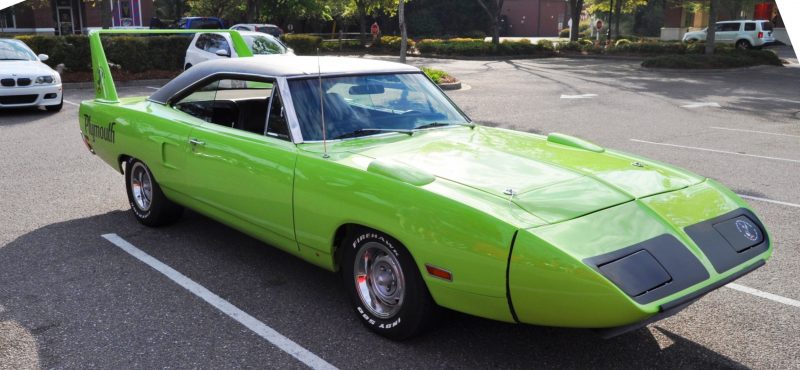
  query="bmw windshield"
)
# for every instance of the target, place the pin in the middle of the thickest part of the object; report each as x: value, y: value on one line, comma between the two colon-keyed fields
x: 371, y: 104
x: 15, y: 50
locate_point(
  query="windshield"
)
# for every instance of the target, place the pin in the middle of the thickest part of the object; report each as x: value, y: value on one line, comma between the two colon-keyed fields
x: 264, y: 44
x: 365, y: 105
x: 267, y: 29
x: 15, y: 50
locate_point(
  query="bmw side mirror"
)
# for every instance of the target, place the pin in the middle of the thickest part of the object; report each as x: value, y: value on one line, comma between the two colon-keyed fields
x: 43, y: 57
x: 222, y: 53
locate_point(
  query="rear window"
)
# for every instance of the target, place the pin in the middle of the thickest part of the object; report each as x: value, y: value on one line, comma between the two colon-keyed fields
x: 266, y: 29
x: 205, y: 24
x: 749, y: 26
x: 767, y: 26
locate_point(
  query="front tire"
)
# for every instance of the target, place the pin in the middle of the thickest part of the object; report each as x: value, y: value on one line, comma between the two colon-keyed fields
x: 385, y: 285
x: 147, y: 201
x: 55, y: 108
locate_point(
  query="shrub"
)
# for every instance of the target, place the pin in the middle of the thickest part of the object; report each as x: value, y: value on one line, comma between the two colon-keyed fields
x: 622, y: 42
x: 570, y: 46
x: 438, y: 76
x: 546, y: 45
x: 648, y: 48
x: 392, y: 43
x: 565, y: 33
x: 303, y: 44
x: 586, y: 42
x: 475, y: 34
x: 723, y: 59
x: 132, y: 53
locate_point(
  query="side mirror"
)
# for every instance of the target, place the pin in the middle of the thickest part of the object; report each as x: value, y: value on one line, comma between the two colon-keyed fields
x: 222, y: 53
x: 43, y: 57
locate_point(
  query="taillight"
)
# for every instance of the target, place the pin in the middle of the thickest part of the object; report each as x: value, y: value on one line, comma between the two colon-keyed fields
x: 761, y: 35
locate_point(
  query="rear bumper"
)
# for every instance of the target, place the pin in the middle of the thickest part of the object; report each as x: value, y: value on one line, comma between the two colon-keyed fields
x: 30, y: 96
x: 672, y: 308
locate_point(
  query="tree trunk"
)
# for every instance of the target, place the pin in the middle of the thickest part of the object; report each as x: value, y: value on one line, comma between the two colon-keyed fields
x: 250, y: 11
x: 494, y: 8
x: 576, y: 7
x: 712, y: 23
x: 362, y: 24
x: 618, y: 14
x: 401, y: 14
x: 495, y: 31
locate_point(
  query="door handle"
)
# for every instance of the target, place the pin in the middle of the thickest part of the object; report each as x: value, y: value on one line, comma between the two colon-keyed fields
x: 196, y: 142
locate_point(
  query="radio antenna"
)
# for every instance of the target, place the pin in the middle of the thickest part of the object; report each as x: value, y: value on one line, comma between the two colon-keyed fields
x: 322, y: 110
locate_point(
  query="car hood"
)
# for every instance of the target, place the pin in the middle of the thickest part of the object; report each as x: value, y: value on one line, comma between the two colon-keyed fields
x: 553, y: 181
x: 24, y: 68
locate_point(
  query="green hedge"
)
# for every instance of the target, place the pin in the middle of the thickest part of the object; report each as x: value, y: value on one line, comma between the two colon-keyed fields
x: 392, y: 43
x: 303, y: 44
x: 131, y: 53
x: 477, y: 47
x: 725, y: 58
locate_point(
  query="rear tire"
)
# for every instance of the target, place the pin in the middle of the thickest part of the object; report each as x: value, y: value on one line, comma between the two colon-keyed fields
x: 147, y: 201
x: 743, y: 45
x: 385, y: 285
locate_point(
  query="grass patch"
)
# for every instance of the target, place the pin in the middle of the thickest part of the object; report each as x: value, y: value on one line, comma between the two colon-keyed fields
x: 438, y: 76
x: 727, y: 59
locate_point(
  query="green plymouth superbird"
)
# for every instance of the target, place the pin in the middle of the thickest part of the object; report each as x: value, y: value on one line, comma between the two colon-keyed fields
x: 366, y: 168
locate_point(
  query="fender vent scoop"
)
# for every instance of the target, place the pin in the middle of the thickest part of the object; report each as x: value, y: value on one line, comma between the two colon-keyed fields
x: 401, y: 172
x: 574, y: 142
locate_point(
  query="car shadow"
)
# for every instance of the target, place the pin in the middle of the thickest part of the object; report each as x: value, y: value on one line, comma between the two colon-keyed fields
x: 88, y: 302
x: 14, y: 116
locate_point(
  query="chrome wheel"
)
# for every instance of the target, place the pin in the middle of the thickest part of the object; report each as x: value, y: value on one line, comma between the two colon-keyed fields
x: 141, y: 186
x: 379, y: 280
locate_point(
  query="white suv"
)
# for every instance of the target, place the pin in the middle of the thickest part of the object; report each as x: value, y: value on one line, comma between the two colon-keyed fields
x: 744, y: 34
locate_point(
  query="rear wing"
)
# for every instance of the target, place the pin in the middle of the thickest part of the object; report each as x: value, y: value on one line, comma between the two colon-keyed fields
x: 104, y: 88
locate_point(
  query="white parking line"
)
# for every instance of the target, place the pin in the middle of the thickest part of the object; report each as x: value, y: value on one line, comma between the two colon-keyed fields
x: 718, y: 151
x: 753, y: 131
x: 769, y: 200
x: 770, y: 296
x: 700, y: 105
x: 258, y: 327
x: 581, y: 96
x: 71, y: 103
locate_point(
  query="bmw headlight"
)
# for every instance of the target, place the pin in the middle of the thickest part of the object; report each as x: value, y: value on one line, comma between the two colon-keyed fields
x: 44, y: 79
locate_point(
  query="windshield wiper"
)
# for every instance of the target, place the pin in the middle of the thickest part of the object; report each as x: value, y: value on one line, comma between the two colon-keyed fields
x: 441, y: 124
x: 365, y: 130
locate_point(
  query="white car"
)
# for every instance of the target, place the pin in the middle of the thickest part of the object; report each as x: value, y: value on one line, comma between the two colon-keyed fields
x: 217, y: 45
x: 745, y: 34
x: 25, y: 81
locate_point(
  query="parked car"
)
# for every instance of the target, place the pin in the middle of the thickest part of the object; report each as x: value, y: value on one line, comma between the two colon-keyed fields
x: 25, y: 81
x: 259, y: 27
x: 201, y: 23
x: 365, y: 167
x: 745, y: 34
x: 216, y: 45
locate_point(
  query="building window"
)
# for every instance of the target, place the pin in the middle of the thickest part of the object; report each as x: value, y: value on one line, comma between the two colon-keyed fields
x: 7, y: 18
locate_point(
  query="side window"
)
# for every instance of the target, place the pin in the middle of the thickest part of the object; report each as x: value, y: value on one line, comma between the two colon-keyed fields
x: 201, y: 42
x: 730, y: 27
x: 750, y: 26
x: 217, y: 42
x: 236, y: 103
x: 276, y: 124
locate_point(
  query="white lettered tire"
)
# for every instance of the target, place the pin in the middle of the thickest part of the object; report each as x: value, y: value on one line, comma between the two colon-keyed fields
x: 147, y: 201
x: 385, y: 286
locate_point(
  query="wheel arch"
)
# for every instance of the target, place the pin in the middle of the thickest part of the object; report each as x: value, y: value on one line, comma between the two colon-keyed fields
x: 345, y: 230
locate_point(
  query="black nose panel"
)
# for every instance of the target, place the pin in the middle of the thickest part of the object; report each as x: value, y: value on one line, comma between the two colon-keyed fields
x: 730, y: 239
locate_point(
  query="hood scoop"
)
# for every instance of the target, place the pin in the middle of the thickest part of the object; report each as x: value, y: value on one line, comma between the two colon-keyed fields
x: 574, y: 142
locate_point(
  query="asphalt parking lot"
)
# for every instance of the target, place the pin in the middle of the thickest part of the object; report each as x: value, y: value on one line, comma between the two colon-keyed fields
x: 70, y: 298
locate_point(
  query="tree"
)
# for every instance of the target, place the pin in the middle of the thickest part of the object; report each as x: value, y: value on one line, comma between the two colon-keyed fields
x: 493, y: 8
x: 712, y: 22
x: 575, y: 8
x: 617, y: 15
x: 401, y: 15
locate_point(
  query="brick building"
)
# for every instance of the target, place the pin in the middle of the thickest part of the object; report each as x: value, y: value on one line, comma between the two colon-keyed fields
x: 535, y: 18
x: 66, y: 17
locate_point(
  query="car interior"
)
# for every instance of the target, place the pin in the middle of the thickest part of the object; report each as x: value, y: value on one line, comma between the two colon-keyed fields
x: 238, y: 106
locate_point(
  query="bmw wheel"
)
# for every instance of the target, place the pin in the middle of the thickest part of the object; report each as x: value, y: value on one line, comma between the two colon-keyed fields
x: 385, y: 286
x: 148, y: 202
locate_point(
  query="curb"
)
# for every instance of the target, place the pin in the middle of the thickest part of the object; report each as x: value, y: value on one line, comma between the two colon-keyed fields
x: 450, y: 86
x: 89, y: 85
x: 708, y: 70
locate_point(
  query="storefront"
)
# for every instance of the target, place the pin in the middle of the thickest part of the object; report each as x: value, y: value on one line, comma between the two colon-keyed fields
x: 69, y: 17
